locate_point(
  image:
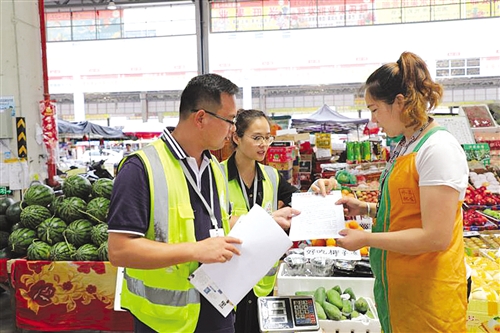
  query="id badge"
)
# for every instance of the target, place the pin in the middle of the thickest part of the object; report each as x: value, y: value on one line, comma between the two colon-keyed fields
x: 217, y: 232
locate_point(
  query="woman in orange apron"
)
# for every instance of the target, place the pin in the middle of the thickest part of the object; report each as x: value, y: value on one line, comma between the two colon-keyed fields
x: 417, y: 253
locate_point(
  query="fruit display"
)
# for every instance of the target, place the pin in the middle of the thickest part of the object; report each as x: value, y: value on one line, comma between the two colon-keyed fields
x: 479, y: 116
x: 485, y: 275
x: 481, y: 196
x: 367, y: 195
x: 72, y: 226
x: 488, y: 180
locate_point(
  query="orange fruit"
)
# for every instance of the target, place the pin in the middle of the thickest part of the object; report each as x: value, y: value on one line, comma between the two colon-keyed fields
x: 354, y: 225
x: 363, y: 251
x: 331, y: 242
x: 318, y: 242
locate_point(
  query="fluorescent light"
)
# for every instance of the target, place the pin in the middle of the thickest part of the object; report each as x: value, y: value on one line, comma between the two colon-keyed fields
x: 111, y: 5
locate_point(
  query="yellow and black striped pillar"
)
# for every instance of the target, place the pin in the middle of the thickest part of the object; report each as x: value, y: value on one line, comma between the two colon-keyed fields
x: 22, y: 149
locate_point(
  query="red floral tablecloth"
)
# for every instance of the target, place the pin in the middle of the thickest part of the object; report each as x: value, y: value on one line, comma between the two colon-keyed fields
x: 4, y: 275
x: 67, y: 295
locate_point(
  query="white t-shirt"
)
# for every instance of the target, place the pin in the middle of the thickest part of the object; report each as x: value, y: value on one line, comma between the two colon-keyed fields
x: 442, y: 161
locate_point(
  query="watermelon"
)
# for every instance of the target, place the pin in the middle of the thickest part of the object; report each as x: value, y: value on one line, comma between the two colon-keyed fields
x: 99, y: 234
x: 102, y: 252
x: 32, y: 216
x: 77, y: 186
x: 62, y: 251
x: 87, y: 252
x: 97, y: 210
x: 54, y: 206
x: 71, y: 209
x: 20, y: 239
x: 102, y: 188
x: 38, y: 250
x: 16, y: 226
x: 39, y: 194
x: 13, y: 213
x: 51, y: 230
x: 5, y: 224
x: 4, y: 204
x: 78, y: 232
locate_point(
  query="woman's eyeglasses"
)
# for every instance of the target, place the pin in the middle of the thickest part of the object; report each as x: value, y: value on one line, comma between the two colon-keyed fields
x: 259, y: 139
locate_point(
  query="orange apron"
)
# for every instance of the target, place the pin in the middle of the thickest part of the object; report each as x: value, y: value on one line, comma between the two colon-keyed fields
x: 416, y: 293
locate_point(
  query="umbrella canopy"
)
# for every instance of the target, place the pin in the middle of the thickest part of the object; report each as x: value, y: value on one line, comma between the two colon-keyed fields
x: 66, y: 128
x: 326, y: 119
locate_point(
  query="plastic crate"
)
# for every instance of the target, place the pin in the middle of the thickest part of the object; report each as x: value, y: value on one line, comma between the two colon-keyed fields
x: 362, y: 287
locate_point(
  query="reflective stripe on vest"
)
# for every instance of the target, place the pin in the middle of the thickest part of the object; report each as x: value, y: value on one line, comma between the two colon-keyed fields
x: 163, y: 298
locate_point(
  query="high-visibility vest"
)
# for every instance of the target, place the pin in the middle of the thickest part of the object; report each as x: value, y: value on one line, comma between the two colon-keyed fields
x: 270, y: 200
x: 163, y: 298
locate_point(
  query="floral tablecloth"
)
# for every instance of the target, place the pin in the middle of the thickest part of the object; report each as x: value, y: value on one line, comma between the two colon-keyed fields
x: 4, y: 275
x: 67, y: 295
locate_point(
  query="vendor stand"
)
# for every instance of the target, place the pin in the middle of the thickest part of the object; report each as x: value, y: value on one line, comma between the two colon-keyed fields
x: 66, y: 295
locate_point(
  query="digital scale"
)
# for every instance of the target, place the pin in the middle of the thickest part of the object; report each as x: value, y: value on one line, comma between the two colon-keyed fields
x: 287, y: 314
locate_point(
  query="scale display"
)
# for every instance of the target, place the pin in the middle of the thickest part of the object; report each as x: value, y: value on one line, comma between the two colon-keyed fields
x: 287, y: 314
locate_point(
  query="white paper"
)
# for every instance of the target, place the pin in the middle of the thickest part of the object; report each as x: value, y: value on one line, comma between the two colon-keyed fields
x: 319, y: 216
x: 333, y: 252
x: 263, y: 243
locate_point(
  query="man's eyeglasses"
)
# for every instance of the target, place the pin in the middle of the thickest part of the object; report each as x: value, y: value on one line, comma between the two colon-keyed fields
x: 229, y: 121
x: 259, y: 139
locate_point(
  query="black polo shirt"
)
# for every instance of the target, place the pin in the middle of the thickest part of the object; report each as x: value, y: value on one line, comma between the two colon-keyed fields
x: 129, y: 213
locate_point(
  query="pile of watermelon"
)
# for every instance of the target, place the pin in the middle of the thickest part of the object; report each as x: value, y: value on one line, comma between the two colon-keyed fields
x: 69, y: 226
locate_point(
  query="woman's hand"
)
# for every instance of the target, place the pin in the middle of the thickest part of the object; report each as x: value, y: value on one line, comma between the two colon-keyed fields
x: 284, y: 216
x: 324, y: 186
x: 353, y: 239
x: 352, y: 206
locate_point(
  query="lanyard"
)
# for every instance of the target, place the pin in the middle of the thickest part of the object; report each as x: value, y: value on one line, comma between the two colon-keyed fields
x: 197, y: 190
x: 244, y: 190
x: 398, y: 151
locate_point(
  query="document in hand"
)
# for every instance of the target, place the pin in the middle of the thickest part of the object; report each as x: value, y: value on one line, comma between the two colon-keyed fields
x: 319, y: 216
x: 263, y: 244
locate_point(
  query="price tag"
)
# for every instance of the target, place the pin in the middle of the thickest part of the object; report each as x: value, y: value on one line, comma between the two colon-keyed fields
x: 333, y: 252
x: 471, y: 233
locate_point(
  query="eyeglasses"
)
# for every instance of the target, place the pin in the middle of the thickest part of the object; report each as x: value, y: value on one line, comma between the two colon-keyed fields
x: 229, y: 121
x: 259, y: 139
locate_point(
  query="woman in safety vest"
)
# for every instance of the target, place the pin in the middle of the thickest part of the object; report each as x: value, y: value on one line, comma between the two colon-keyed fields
x: 250, y: 183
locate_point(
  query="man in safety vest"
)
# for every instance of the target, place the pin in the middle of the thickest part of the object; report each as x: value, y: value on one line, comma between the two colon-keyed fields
x: 169, y: 212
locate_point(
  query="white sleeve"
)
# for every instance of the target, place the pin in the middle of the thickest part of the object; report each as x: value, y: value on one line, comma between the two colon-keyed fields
x: 442, y: 161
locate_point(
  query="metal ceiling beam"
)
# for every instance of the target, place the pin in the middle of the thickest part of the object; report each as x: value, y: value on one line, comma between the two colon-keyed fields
x: 81, y: 5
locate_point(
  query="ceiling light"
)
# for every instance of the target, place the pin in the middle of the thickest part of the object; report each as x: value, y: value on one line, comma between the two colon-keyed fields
x: 111, y: 5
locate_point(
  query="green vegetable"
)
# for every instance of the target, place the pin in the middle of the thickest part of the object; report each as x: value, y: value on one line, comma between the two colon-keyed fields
x: 354, y: 314
x: 320, y: 311
x: 304, y: 293
x: 361, y: 305
x: 337, y: 287
x: 332, y: 312
x: 350, y: 293
x: 320, y: 295
x: 334, y: 298
x: 370, y: 314
x: 346, y: 307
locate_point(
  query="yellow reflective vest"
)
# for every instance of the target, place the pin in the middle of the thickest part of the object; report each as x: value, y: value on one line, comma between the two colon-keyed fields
x: 163, y: 298
x: 239, y: 208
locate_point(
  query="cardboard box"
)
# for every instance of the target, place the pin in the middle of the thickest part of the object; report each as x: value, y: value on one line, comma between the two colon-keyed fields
x: 280, y: 154
x: 281, y: 165
x: 480, y: 316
